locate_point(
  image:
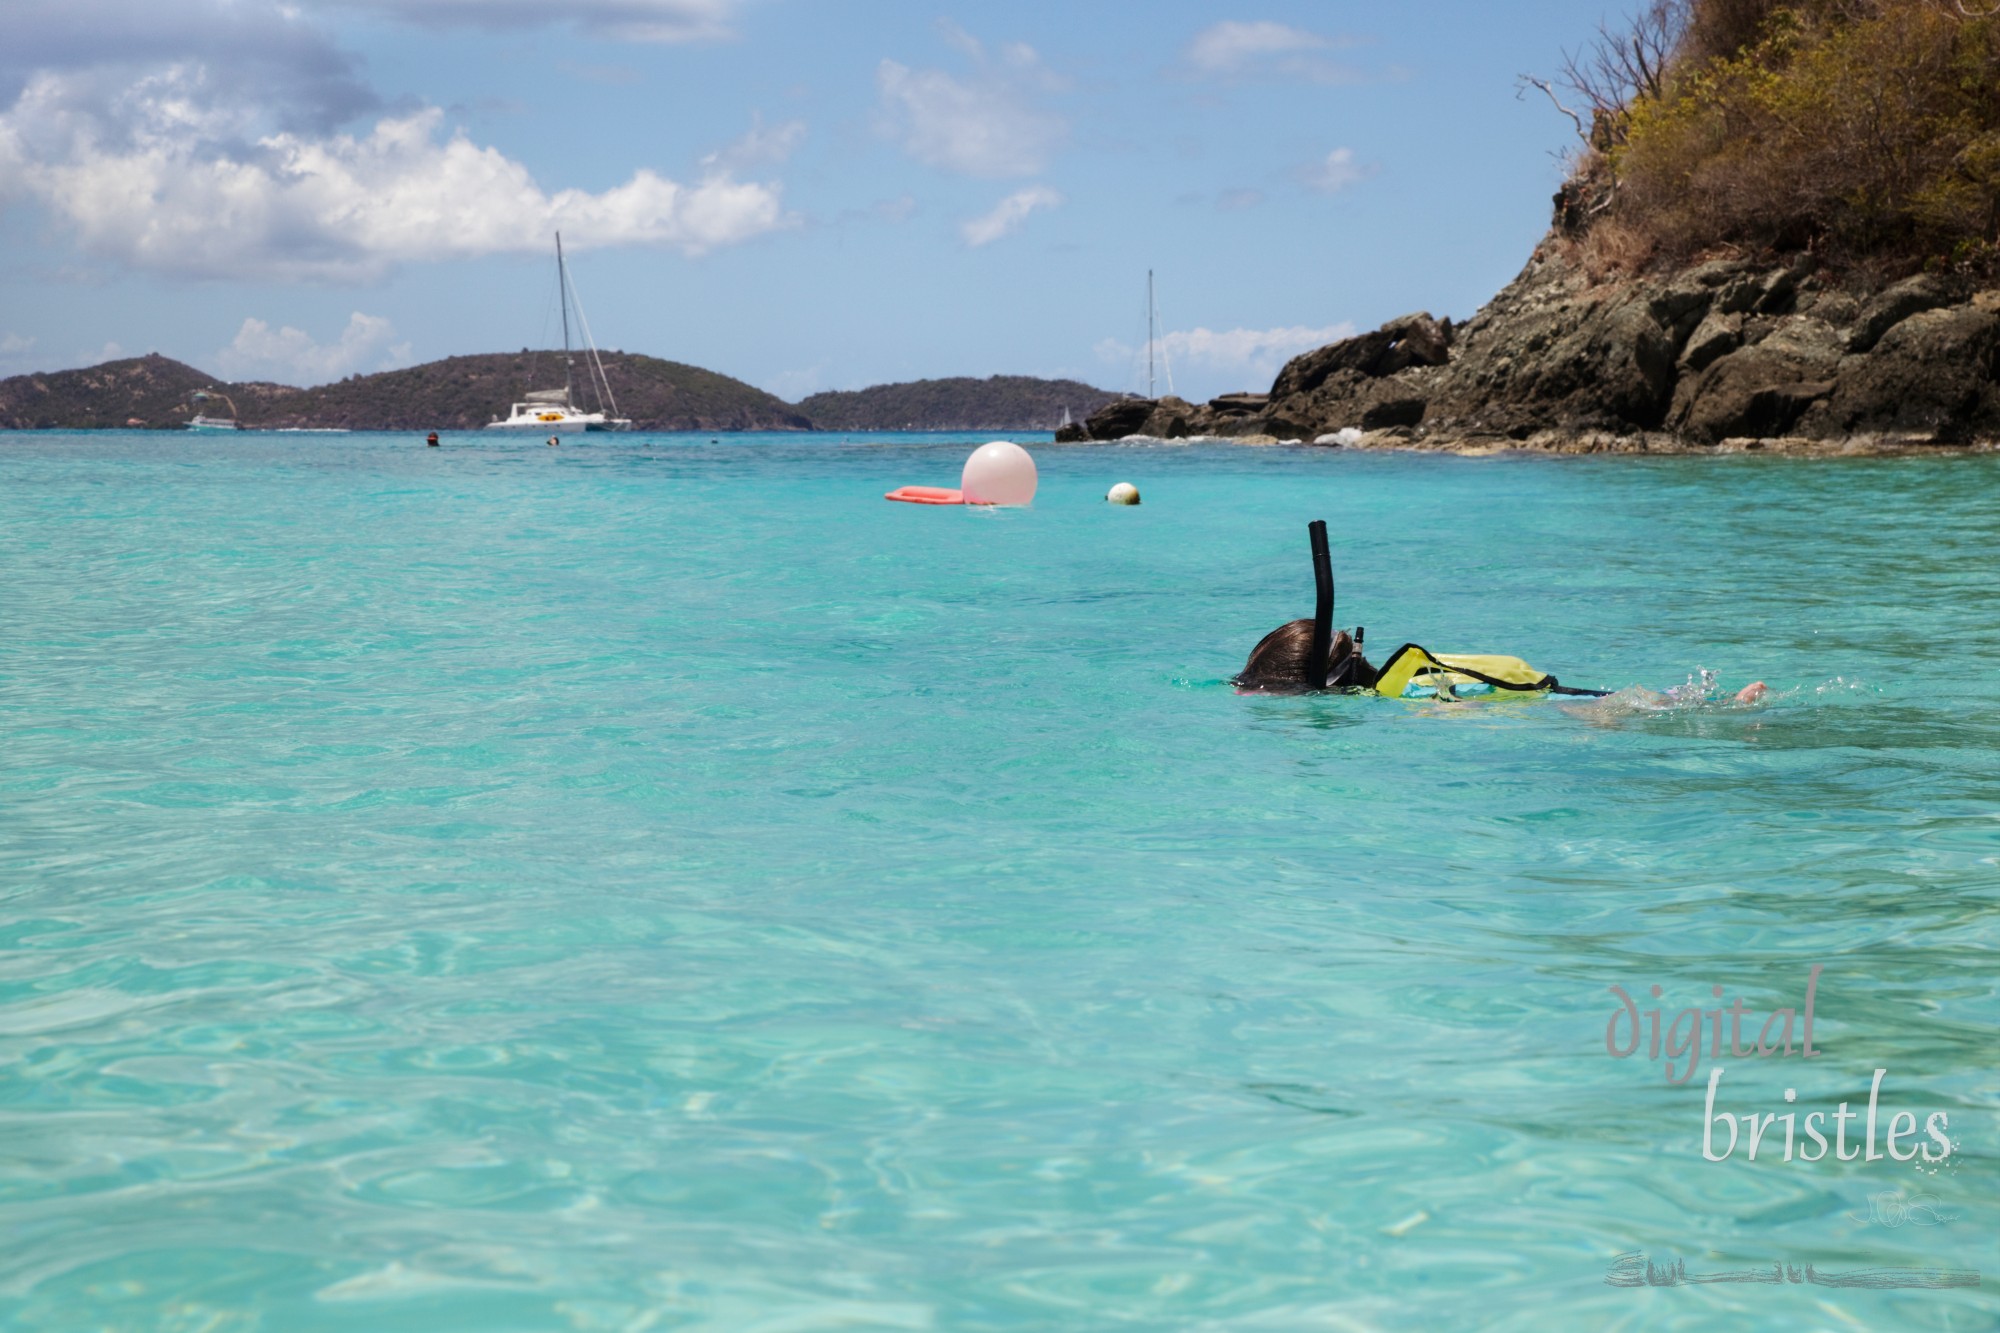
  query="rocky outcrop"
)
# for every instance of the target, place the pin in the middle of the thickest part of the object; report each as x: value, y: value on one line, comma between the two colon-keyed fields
x: 1728, y: 350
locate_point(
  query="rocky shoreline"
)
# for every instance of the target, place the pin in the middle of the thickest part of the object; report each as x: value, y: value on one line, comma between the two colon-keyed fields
x: 1730, y: 355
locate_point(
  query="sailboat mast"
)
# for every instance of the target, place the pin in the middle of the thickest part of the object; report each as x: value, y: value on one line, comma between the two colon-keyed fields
x: 562, y: 297
x: 1151, y: 334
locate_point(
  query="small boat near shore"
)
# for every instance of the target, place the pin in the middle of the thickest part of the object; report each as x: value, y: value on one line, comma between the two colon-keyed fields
x: 202, y: 421
x: 555, y: 411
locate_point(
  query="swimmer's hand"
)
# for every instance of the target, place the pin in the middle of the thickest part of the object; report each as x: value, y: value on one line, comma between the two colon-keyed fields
x: 1753, y: 693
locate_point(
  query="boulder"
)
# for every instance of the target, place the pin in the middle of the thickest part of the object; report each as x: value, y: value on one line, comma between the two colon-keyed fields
x: 1934, y: 375
x: 1238, y: 427
x: 1772, y: 292
x: 1718, y: 335
x: 1761, y: 390
x: 1393, y: 410
x: 1116, y: 420
x: 1681, y: 302
x: 1894, y: 305
x: 1169, y: 420
x: 1413, y: 340
x: 1600, y: 361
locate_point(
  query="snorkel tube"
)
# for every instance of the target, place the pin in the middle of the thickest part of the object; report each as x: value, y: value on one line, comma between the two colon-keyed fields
x: 1322, y: 640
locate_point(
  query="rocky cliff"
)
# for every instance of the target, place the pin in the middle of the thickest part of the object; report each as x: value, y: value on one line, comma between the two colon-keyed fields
x: 1739, y: 353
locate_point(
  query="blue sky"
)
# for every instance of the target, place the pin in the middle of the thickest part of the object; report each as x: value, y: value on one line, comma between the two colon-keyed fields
x: 803, y: 194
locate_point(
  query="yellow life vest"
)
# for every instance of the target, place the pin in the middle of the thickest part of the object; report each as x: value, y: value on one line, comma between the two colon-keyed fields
x: 1444, y: 672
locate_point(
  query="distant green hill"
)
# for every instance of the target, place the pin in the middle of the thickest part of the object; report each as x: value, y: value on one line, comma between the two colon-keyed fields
x: 466, y: 392
x: 459, y: 393
x: 149, y: 390
x: 463, y: 393
x: 1003, y: 402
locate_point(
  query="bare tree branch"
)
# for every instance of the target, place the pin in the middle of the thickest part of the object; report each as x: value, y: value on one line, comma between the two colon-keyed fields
x: 1527, y: 81
x: 1621, y: 65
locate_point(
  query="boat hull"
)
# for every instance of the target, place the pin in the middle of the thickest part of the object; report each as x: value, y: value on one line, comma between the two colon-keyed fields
x: 574, y: 425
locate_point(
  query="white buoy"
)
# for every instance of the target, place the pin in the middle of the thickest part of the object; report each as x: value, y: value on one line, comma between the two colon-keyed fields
x: 999, y: 473
x: 1124, y: 493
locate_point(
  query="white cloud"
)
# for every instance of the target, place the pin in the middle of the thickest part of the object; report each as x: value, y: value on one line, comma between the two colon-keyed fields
x: 1334, y: 172
x: 622, y: 20
x: 205, y: 138
x: 165, y: 176
x: 1252, y: 356
x: 1232, y: 50
x: 988, y: 124
x: 111, y: 351
x: 292, y: 73
x: 1235, y: 201
x: 292, y: 356
x: 1008, y: 215
x: 1228, y: 47
x: 760, y: 146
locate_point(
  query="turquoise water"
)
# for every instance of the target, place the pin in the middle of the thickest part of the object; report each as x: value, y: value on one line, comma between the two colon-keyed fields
x: 659, y: 885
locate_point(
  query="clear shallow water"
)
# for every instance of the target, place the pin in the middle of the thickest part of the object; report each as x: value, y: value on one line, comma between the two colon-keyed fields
x: 661, y: 885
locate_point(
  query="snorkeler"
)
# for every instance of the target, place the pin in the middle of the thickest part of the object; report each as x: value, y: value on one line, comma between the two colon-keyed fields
x: 1281, y: 662
x: 1305, y: 656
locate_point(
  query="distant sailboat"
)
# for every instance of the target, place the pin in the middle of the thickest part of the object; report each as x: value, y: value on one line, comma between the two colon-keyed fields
x: 554, y: 411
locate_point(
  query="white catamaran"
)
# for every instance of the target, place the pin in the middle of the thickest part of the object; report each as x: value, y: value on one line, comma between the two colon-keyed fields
x: 555, y: 411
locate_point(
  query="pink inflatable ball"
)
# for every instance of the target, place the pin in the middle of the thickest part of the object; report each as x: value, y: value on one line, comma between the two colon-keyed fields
x: 1000, y: 473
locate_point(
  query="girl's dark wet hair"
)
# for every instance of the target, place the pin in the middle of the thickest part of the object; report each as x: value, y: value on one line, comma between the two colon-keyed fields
x: 1279, y: 662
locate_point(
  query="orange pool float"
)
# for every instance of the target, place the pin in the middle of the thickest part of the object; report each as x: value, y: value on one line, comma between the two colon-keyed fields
x: 926, y: 495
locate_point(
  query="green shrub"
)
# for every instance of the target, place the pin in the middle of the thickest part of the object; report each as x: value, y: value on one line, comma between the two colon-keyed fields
x: 1866, y: 129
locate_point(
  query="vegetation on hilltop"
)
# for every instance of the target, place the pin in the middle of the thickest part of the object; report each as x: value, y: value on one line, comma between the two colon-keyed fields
x: 1865, y: 131
x: 459, y: 393
x: 466, y: 392
x: 1001, y: 402
x: 151, y: 390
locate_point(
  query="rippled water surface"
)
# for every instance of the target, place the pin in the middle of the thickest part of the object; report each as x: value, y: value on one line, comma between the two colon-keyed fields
x: 659, y: 885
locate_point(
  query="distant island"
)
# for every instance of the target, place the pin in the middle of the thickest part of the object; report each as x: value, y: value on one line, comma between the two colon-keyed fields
x: 1001, y: 402
x: 463, y: 393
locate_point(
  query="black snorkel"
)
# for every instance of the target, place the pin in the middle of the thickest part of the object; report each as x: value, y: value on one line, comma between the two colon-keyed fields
x: 1322, y: 640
